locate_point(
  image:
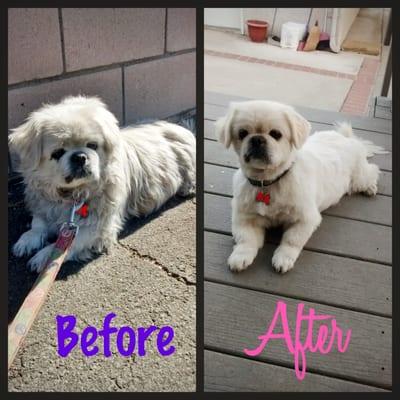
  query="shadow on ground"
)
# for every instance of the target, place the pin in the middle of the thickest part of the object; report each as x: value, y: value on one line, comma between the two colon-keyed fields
x: 20, y: 278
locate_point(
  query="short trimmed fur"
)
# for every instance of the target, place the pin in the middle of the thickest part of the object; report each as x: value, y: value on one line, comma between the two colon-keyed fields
x: 322, y: 169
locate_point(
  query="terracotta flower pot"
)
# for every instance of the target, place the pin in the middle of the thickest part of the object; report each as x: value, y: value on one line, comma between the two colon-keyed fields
x: 257, y: 30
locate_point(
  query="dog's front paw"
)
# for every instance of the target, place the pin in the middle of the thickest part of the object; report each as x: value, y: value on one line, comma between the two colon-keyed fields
x: 283, y: 259
x: 241, y: 258
x: 28, y: 243
x: 40, y: 259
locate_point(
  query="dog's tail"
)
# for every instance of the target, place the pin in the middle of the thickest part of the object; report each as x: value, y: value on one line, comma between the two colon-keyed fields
x: 346, y: 129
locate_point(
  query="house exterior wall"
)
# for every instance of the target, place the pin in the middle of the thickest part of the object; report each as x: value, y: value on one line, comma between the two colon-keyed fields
x: 141, y: 62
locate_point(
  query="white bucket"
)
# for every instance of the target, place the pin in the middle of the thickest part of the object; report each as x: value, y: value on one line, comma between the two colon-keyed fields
x: 291, y: 34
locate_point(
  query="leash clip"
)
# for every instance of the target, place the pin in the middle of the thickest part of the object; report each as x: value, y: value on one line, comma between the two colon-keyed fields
x: 76, y: 206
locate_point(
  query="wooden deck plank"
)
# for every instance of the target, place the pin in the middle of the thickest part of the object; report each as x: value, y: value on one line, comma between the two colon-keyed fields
x: 218, y: 179
x: 320, y: 278
x: 226, y: 373
x: 235, y: 317
x: 340, y: 271
x: 377, y: 209
x: 209, y: 130
x: 383, y: 112
x: 384, y: 102
x: 213, y: 101
x: 385, y: 183
x: 381, y: 140
x: 335, y: 235
x: 215, y: 153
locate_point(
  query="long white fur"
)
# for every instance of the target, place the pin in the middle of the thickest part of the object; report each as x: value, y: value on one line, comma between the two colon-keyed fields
x: 135, y: 171
x: 326, y: 166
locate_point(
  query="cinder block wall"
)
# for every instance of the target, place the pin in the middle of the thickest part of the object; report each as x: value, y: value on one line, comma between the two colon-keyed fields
x: 140, y: 61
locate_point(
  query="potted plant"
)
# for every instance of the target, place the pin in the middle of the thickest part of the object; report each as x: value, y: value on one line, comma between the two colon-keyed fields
x: 257, y: 30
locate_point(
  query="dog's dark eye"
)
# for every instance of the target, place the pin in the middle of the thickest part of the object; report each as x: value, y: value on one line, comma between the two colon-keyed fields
x: 243, y: 133
x: 57, y: 154
x: 275, y: 134
x: 92, y: 145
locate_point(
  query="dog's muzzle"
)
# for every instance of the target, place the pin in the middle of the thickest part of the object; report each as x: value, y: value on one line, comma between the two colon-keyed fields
x: 257, y: 149
x: 79, y: 166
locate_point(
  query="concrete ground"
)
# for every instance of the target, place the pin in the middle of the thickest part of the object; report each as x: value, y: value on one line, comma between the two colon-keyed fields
x: 348, y: 82
x: 258, y: 81
x: 343, y: 62
x: 147, y: 279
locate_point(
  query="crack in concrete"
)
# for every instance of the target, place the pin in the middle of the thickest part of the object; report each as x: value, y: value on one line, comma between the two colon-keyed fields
x: 155, y: 262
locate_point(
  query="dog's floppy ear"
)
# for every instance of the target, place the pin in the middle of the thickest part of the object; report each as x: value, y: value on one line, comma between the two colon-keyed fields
x: 223, y: 127
x: 109, y: 125
x: 299, y: 126
x: 26, y: 142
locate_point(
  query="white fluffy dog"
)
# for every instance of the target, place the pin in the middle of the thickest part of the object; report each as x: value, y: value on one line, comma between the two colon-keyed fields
x: 286, y: 179
x: 74, y: 150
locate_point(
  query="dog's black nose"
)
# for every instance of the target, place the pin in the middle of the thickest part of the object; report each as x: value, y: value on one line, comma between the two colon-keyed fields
x: 79, y: 158
x: 257, y: 141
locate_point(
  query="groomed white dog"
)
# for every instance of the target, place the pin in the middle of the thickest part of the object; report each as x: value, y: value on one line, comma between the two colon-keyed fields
x: 287, y: 179
x: 75, y: 150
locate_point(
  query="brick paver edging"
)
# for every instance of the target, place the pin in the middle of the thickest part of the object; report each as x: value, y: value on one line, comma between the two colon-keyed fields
x: 280, y: 64
x: 356, y: 101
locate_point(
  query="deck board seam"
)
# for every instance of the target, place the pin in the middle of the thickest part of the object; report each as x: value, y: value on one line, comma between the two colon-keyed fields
x: 236, y: 168
x: 291, y: 366
x: 323, y: 123
x: 271, y: 292
x: 314, y: 120
x: 323, y: 213
x: 327, y: 124
x: 310, y: 120
x: 332, y: 253
x: 228, y: 166
x: 209, y: 191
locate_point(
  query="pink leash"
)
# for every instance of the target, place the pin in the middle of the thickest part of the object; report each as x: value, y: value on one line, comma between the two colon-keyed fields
x: 20, y: 326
